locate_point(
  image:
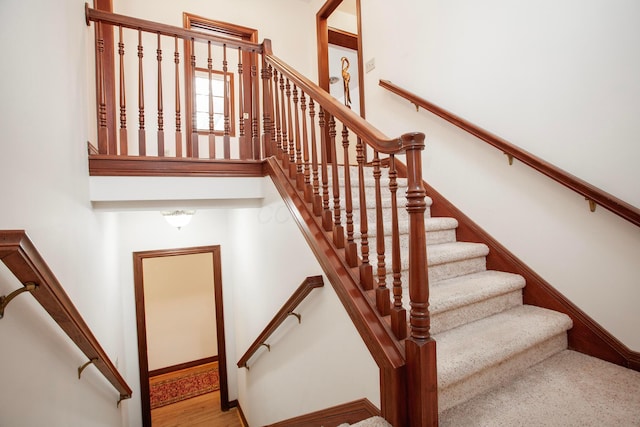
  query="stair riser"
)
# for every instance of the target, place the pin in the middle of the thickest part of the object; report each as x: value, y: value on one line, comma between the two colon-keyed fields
x: 450, y: 319
x: 433, y: 238
x: 443, y: 271
x: 456, y: 268
x: 493, y: 376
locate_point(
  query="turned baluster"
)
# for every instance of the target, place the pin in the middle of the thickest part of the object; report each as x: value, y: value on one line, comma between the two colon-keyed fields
x: 398, y: 313
x: 298, y: 171
x: 241, y: 113
x: 383, y: 301
x: 124, y: 145
x: 255, y: 112
x: 226, y: 139
x: 305, y: 149
x: 160, y: 107
x: 351, y: 252
x: 366, y: 270
x: 285, y: 125
x: 316, y: 199
x: 176, y: 60
x: 193, y: 149
x: 326, y: 212
x: 292, y: 159
x: 212, y: 135
x: 142, y: 142
x: 338, y: 230
x: 103, y: 132
x: 267, y: 129
x: 276, y: 109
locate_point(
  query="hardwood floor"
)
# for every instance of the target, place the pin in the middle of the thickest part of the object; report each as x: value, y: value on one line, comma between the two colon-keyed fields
x: 199, y: 411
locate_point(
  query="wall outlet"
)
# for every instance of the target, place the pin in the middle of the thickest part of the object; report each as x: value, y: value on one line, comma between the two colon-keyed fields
x: 370, y: 65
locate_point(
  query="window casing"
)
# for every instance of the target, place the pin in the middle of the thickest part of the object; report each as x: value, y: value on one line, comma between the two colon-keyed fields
x: 202, y: 88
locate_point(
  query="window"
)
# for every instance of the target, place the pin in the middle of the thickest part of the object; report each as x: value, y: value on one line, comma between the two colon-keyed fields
x: 202, y: 89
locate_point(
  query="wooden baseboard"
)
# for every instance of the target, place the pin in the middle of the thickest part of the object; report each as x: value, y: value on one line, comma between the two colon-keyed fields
x: 586, y: 335
x: 243, y: 419
x: 182, y: 366
x: 351, y: 412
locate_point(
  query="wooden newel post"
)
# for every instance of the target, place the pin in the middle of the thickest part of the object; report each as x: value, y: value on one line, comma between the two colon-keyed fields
x: 422, y: 381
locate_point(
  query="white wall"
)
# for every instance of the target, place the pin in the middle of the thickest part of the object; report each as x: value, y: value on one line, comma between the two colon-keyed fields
x: 558, y: 79
x: 43, y: 169
x: 319, y: 363
x: 147, y: 230
x: 286, y: 23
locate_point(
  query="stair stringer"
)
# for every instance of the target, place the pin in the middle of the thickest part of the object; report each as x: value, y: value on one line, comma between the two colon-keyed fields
x: 386, y: 350
x: 586, y: 336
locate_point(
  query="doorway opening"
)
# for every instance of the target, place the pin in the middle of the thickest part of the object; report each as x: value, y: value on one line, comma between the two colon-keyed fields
x: 180, y: 320
x: 339, y: 34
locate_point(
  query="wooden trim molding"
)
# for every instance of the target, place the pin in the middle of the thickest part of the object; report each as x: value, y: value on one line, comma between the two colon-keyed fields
x: 105, y: 165
x: 586, y: 336
x: 143, y: 359
x: 182, y: 366
x: 309, y: 284
x: 22, y: 258
x: 342, y: 38
x: 350, y: 413
x: 590, y: 192
x: 166, y: 30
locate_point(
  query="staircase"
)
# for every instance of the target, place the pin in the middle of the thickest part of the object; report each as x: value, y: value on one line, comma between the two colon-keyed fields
x: 485, y: 335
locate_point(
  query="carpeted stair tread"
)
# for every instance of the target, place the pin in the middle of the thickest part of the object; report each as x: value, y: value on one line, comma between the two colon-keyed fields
x: 568, y: 389
x: 385, y: 199
x: 369, y: 180
x: 452, y: 293
x: 464, y: 299
x: 446, y: 260
x: 430, y: 224
x: 369, y: 422
x: 455, y: 251
x: 468, y: 349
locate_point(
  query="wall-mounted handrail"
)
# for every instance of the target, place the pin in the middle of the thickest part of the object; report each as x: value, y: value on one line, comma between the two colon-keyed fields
x: 21, y: 257
x: 590, y: 192
x: 309, y: 284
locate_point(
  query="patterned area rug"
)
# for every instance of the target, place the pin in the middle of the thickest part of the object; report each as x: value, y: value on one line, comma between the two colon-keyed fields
x: 176, y: 386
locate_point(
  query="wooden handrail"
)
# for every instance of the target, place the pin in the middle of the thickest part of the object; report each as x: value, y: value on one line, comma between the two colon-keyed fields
x: 298, y: 296
x: 372, y: 136
x: 165, y: 30
x: 21, y: 257
x: 590, y: 192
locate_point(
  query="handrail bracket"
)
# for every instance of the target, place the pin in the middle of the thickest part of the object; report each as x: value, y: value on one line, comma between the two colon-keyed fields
x: 510, y: 157
x: 5, y: 300
x: 83, y: 367
x: 299, y: 316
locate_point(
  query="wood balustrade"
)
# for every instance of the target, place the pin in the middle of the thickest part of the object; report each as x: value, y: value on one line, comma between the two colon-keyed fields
x: 321, y: 147
x: 202, y: 122
x: 22, y: 258
x: 592, y: 194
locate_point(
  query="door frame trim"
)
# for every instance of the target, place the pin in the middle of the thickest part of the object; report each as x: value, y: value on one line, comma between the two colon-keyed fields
x: 143, y: 359
x: 322, y: 40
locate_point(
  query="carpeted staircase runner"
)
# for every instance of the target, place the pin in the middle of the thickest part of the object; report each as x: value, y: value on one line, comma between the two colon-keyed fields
x: 486, y: 338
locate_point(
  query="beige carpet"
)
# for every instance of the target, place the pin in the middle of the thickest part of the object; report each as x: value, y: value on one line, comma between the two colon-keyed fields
x: 568, y: 389
x: 500, y: 363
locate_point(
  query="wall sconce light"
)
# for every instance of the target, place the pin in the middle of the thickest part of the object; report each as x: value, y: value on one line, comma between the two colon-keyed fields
x: 178, y: 218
